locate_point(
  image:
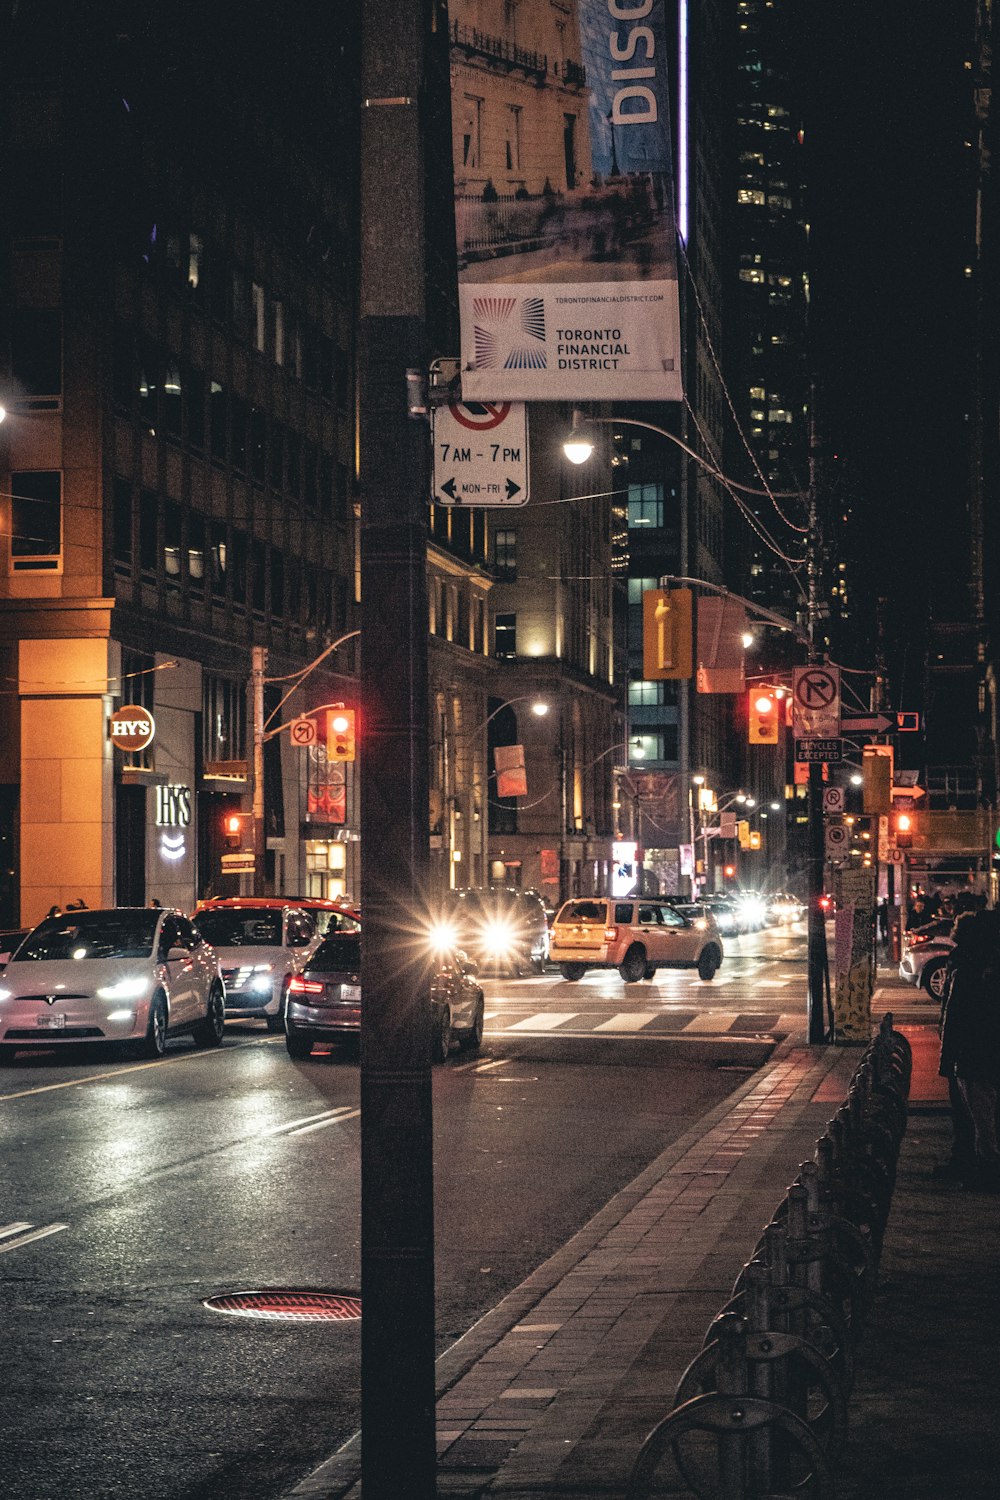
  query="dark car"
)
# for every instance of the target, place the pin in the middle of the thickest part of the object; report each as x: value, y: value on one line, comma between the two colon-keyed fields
x: 502, y: 929
x: 324, y: 1001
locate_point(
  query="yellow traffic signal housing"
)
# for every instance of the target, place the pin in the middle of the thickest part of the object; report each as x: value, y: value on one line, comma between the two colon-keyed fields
x: 755, y: 839
x: 876, y: 783
x: 667, y: 634
x: 763, y: 717
x: 743, y: 834
x: 903, y: 829
x: 232, y: 827
x: 340, y: 728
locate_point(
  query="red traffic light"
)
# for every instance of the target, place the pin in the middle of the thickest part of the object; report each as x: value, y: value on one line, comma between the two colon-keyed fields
x: 232, y: 827
x: 729, y: 871
x: 762, y: 717
x: 341, y: 725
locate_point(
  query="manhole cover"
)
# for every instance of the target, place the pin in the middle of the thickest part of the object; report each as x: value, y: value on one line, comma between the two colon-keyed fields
x: 290, y: 1307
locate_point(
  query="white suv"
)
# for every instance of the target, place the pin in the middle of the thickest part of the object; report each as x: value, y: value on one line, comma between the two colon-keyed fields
x: 261, y: 945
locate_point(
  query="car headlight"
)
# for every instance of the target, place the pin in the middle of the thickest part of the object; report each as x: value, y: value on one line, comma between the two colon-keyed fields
x: 498, y: 938
x: 123, y: 989
x: 701, y: 924
x: 442, y: 937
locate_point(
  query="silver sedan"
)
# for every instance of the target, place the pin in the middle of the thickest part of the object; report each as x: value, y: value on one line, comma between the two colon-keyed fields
x: 126, y: 974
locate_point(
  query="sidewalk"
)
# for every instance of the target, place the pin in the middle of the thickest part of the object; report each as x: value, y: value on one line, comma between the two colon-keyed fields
x: 554, y: 1390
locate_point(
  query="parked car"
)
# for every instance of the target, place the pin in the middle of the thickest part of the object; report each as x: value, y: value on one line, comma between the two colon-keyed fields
x: 502, y: 929
x: 10, y: 941
x: 925, y: 956
x: 324, y: 1000
x: 116, y: 975
x: 262, y: 942
x: 635, y: 936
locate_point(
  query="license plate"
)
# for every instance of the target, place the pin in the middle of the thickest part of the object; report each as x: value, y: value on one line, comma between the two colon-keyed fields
x: 350, y: 992
x: 51, y: 1023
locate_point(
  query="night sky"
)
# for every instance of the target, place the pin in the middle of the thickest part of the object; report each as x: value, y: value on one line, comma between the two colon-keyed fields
x: 888, y: 105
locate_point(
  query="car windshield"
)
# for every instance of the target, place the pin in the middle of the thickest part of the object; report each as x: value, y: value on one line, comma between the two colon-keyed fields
x: 245, y: 927
x: 337, y: 953
x: 96, y: 934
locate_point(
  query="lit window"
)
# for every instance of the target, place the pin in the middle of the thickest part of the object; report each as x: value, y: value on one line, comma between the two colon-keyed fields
x: 639, y: 586
x: 645, y: 505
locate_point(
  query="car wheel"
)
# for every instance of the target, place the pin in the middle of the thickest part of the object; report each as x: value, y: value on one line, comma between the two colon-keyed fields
x: 633, y: 966
x: 933, y: 979
x: 572, y: 972
x: 441, y: 1041
x: 209, y: 1033
x: 154, y: 1043
x: 298, y: 1046
x: 650, y: 972
x: 473, y: 1038
x: 277, y: 1023
x: 708, y: 963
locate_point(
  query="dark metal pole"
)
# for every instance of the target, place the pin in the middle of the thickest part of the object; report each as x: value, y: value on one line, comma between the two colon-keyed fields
x: 816, y: 950
x: 397, y: 1218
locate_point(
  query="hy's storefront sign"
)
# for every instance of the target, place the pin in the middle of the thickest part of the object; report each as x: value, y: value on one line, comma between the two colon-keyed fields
x: 131, y: 728
x: 564, y: 202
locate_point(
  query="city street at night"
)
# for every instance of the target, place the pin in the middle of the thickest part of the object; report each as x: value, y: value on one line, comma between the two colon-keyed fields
x: 135, y: 1191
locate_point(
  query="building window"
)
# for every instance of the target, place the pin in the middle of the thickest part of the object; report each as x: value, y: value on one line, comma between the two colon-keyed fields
x: 149, y: 521
x: 505, y: 554
x: 36, y: 352
x: 505, y: 635
x: 472, y: 131
x: 645, y: 505
x: 172, y: 544
x: 513, y: 138
x: 122, y: 524
x: 196, y: 552
x: 639, y: 586
x: 36, y: 520
x: 220, y: 559
x: 645, y: 694
x: 224, y: 720
x: 259, y: 305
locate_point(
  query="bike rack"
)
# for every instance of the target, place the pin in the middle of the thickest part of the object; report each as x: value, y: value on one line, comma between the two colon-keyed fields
x: 761, y: 1410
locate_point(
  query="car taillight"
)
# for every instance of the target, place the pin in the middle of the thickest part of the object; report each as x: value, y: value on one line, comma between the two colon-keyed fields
x: 302, y: 986
x: 610, y: 934
x: 916, y: 938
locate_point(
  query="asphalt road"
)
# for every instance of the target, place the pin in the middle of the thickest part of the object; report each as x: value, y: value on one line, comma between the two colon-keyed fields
x: 134, y: 1191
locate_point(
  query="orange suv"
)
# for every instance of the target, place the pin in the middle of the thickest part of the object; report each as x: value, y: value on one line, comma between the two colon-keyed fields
x: 634, y: 935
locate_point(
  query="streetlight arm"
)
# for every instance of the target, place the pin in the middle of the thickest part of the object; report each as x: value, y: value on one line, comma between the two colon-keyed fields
x: 580, y: 423
x: 802, y: 636
x: 301, y: 676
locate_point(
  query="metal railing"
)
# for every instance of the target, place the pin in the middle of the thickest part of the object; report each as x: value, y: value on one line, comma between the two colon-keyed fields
x: 762, y: 1410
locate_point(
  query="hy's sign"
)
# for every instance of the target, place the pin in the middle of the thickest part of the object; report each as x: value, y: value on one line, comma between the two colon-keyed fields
x: 131, y: 728
x: 173, y: 807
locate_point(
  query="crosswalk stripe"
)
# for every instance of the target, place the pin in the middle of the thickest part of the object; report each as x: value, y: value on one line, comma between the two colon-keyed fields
x: 771, y: 984
x: 327, y: 1117
x: 628, y: 1021
x: 340, y: 1118
x: 711, y: 1021
x: 9, y: 1229
x: 26, y: 1239
x: 545, y: 1020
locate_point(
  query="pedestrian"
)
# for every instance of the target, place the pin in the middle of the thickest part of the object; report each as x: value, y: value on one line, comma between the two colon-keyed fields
x: 54, y: 911
x: 156, y: 904
x: 970, y: 1049
x: 883, y: 918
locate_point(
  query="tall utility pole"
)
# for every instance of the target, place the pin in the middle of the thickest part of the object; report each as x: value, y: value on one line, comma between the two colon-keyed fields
x: 816, y: 941
x: 258, y: 663
x: 397, y: 1216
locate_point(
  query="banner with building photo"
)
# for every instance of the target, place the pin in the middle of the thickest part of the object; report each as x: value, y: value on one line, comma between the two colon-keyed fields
x: 564, y: 201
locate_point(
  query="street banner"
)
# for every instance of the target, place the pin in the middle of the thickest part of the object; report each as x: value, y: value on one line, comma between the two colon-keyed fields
x: 512, y: 780
x: 564, y: 201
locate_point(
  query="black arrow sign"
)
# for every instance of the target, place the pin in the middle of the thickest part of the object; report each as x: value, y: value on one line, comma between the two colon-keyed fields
x: 448, y: 489
x: 512, y: 489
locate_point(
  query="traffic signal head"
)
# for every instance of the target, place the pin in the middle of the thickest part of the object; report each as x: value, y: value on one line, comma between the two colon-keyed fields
x: 903, y: 823
x: 232, y: 827
x: 667, y: 635
x: 763, y: 717
x: 340, y: 727
x: 729, y: 871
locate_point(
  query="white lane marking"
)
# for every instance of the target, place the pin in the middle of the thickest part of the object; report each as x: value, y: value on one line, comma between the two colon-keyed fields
x: 9, y: 1229
x: 771, y: 984
x: 480, y: 1067
x: 337, y: 1119
x: 711, y: 1021
x: 628, y: 1021
x: 327, y: 1116
x: 36, y: 1234
x: 160, y: 1062
x: 696, y: 984
x: 545, y: 1020
x: 491, y: 1015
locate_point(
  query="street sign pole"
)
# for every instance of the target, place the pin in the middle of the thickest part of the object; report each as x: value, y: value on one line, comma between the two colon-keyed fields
x: 399, y: 137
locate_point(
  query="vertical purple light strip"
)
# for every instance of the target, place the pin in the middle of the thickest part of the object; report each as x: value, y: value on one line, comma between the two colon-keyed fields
x: 682, y: 120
